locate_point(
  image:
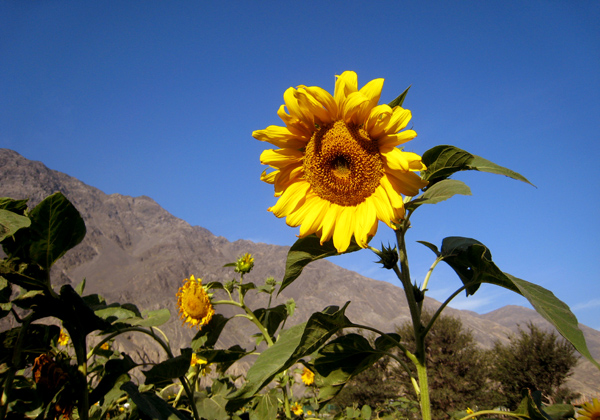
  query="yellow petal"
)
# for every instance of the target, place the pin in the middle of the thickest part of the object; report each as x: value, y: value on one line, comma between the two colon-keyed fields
x: 377, y: 120
x: 393, y: 195
x: 314, y: 107
x: 383, y: 207
x: 352, y: 106
x: 344, y: 228
x: 313, y: 218
x: 399, y: 120
x: 291, y: 198
x: 345, y: 84
x: 325, y: 99
x: 269, y: 178
x: 287, y: 176
x: 280, y: 137
x: 296, y: 127
x: 329, y: 219
x: 390, y: 141
x: 366, y: 222
x: 372, y: 90
x: 407, y: 183
x: 398, y: 160
x: 278, y: 158
x: 295, y: 109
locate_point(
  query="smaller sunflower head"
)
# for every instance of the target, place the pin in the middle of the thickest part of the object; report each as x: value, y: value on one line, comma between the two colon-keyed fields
x: 590, y: 410
x: 244, y: 264
x: 194, y: 303
x: 63, y: 338
x: 297, y: 408
x: 105, y: 346
x: 308, y: 377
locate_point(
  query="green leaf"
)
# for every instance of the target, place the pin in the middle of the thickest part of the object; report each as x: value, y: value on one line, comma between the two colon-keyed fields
x: 114, y: 313
x: 340, y: 360
x: 431, y: 246
x: 443, y: 161
x: 529, y: 409
x: 170, y: 368
x: 11, y: 222
x: 400, y: 99
x: 305, y: 251
x: 212, y: 408
x: 80, y: 287
x: 438, y: 192
x: 271, y: 318
x: 472, y: 261
x: 560, y: 411
x: 266, y: 407
x: 209, y: 334
x: 223, y: 358
x: 294, y: 343
x: 154, y: 318
x: 115, y: 375
x: 151, y: 405
x: 16, y: 206
x: 37, y: 339
x: 56, y: 227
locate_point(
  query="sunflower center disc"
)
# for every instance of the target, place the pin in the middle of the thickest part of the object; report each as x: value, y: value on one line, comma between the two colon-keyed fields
x: 342, y: 164
x: 194, y: 305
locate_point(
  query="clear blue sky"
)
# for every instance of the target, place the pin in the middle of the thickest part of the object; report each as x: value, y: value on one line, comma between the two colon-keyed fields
x: 160, y: 99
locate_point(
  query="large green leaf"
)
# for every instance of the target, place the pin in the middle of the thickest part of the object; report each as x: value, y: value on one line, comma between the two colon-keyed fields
x: 209, y: 334
x: 271, y: 318
x: 170, y: 368
x: 151, y: 405
x: 340, y: 360
x: 224, y: 358
x: 443, y: 161
x: 305, y: 251
x: 16, y: 206
x: 472, y: 261
x: 11, y: 222
x: 266, y: 407
x: 440, y: 191
x: 293, y: 344
x: 56, y: 227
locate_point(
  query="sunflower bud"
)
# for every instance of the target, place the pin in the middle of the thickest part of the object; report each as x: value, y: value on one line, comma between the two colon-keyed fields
x: 388, y: 256
x: 244, y: 264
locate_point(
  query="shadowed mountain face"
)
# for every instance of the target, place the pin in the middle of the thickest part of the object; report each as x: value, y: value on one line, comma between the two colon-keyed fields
x: 135, y: 251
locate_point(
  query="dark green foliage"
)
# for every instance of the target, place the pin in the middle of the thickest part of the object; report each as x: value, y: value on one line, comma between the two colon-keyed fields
x: 458, y: 369
x: 537, y: 360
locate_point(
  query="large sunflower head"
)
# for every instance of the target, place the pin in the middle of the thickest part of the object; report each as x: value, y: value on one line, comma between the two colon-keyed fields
x: 194, y: 303
x: 590, y: 410
x: 337, y: 169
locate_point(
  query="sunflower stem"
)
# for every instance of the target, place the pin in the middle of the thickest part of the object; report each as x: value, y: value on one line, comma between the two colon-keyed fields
x: 415, y: 312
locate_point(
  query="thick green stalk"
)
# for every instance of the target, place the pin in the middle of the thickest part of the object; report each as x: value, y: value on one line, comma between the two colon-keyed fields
x: 79, y: 344
x: 424, y: 395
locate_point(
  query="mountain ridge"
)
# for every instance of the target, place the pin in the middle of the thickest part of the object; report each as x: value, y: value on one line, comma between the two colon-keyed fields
x: 135, y: 251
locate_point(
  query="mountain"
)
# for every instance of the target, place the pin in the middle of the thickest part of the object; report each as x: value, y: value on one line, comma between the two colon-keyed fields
x: 135, y: 251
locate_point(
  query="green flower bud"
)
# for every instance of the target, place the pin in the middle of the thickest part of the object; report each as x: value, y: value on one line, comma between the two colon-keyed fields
x: 388, y: 256
x: 244, y: 264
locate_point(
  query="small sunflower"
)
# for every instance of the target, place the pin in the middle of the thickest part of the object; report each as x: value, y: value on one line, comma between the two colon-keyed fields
x: 63, y: 338
x: 308, y: 377
x: 337, y: 168
x: 297, y: 409
x: 105, y: 346
x: 590, y: 410
x: 194, y: 303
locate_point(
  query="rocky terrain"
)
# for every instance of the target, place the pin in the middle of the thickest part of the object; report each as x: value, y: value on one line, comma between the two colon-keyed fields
x: 135, y: 251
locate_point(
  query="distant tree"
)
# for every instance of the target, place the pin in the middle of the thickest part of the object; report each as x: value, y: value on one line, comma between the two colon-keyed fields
x: 536, y: 360
x: 458, y: 369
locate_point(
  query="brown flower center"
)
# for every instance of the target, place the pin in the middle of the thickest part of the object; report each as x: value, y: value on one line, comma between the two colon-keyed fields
x: 195, y: 303
x: 342, y: 164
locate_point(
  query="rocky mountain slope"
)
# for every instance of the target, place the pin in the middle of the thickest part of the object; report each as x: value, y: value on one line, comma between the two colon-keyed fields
x: 137, y: 252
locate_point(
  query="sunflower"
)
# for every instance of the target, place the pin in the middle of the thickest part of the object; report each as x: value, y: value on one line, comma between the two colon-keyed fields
x: 63, y: 338
x: 308, y: 377
x: 337, y: 170
x: 297, y: 408
x: 194, y: 303
x: 590, y: 410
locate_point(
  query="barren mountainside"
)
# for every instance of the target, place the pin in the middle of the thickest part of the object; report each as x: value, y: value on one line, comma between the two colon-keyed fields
x: 135, y: 251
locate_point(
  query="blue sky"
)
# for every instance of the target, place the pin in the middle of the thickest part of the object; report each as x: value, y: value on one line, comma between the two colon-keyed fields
x: 160, y: 99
